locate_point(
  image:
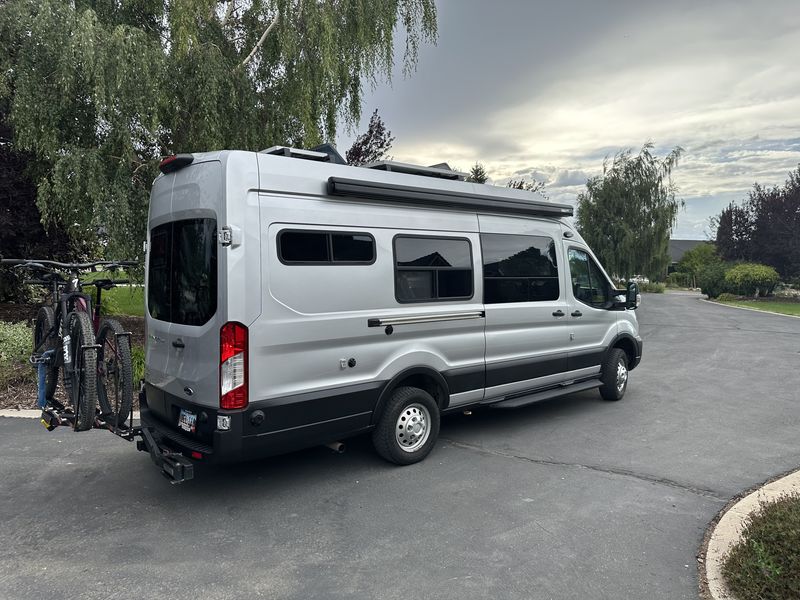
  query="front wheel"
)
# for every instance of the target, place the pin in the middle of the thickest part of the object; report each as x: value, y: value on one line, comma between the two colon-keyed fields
x: 114, y: 372
x: 615, y: 375
x: 81, y: 369
x: 45, y: 338
x: 408, y: 427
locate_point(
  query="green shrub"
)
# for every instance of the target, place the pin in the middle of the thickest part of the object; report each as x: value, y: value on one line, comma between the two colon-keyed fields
x: 727, y: 297
x: 678, y: 279
x: 751, y: 279
x: 711, y: 279
x: 15, y: 342
x: 765, y: 564
x: 652, y: 288
x: 137, y: 362
x: 15, y: 347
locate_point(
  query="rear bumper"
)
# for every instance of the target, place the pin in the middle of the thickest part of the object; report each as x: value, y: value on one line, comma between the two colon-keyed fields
x: 284, y: 425
x: 225, y: 446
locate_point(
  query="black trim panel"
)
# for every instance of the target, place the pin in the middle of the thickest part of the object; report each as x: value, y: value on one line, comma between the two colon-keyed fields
x: 370, y: 191
x: 524, y: 369
x: 300, y: 410
x: 586, y: 358
x: 465, y: 379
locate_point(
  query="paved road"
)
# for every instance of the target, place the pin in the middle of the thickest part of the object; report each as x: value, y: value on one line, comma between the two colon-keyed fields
x: 571, y: 498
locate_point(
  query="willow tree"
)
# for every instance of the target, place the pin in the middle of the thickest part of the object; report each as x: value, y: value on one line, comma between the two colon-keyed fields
x: 627, y: 214
x: 99, y: 89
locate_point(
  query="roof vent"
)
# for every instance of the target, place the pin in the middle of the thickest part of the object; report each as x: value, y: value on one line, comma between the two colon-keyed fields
x: 297, y: 153
x: 434, y: 171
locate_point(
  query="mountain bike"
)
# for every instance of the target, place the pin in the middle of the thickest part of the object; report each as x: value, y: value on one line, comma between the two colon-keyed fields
x: 93, y: 354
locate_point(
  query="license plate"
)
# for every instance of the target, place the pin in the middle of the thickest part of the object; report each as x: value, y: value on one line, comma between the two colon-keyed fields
x: 187, y: 420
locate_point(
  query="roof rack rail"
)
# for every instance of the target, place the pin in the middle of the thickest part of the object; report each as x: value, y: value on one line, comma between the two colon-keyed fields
x: 297, y: 153
x: 442, y: 171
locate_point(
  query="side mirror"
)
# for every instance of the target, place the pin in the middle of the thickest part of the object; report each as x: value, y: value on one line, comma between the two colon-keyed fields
x: 632, y: 297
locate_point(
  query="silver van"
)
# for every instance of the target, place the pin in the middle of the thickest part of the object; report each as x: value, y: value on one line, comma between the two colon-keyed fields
x: 293, y: 301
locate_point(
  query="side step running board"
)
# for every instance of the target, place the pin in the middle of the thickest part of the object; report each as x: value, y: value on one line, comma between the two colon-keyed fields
x: 546, y: 394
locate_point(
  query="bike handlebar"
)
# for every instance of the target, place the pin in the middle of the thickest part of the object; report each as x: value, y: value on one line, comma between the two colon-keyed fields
x: 42, y: 264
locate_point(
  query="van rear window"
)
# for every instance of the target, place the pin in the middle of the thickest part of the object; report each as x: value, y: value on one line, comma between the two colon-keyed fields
x: 182, y: 271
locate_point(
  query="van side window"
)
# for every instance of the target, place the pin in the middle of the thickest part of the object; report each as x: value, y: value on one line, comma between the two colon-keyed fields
x: 429, y: 269
x: 519, y: 268
x: 325, y: 247
x: 589, y: 285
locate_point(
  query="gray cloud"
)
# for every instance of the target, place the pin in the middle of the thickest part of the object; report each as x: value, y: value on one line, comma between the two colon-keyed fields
x: 550, y: 89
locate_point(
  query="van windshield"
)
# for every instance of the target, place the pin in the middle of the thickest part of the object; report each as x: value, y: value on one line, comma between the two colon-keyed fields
x: 182, y: 271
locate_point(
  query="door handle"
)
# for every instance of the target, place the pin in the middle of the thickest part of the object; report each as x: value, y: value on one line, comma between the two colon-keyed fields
x: 577, y: 313
x: 178, y: 343
x: 558, y: 313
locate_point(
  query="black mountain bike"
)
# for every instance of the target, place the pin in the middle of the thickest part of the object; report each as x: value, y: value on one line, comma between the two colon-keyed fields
x: 93, y: 354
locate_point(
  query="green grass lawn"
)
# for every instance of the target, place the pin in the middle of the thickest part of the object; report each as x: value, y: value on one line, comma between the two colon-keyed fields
x: 767, y: 305
x: 124, y: 301
x: 765, y: 565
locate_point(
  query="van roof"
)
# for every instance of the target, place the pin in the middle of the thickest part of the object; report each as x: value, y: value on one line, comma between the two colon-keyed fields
x: 298, y: 174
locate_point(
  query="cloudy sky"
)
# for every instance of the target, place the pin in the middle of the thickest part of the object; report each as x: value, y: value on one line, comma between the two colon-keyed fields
x: 548, y: 89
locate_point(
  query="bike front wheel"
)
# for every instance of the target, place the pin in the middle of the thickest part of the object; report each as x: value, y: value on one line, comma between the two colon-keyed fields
x: 81, y: 369
x: 114, y: 372
x: 45, y: 338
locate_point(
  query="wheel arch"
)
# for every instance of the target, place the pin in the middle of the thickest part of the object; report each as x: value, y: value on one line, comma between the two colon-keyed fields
x: 628, y: 344
x: 424, y: 378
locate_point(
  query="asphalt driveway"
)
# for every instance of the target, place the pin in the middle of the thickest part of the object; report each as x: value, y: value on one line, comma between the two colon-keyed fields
x: 569, y: 498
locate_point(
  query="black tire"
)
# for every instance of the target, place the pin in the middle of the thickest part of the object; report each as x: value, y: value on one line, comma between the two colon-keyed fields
x: 45, y: 319
x: 114, y: 373
x: 614, y: 375
x: 82, y: 372
x: 407, y: 412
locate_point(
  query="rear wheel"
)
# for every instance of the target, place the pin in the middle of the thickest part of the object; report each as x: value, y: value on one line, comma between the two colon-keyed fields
x: 114, y: 372
x: 615, y: 375
x: 408, y: 427
x: 45, y: 337
x: 82, y: 370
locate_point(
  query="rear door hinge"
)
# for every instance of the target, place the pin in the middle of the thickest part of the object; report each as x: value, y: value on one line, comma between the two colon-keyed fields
x: 230, y: 236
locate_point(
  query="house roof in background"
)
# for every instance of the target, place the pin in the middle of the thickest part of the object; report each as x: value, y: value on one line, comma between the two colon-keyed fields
x: 677, y: 248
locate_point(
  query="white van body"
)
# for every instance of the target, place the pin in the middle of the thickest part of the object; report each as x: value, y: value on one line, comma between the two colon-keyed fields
x: 346, y: 292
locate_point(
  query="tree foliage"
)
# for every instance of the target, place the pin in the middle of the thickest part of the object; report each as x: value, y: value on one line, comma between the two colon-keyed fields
x: 695, y: 259
x: 478, y: 174
x: 765, y: 228
x: 627, y: 214
x: 99, y: 89
x: 373, y: 145
x: 534, y: 185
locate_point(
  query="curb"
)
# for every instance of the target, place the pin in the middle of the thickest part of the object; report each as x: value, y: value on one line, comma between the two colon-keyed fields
x: 763, y: 312
x: 726, y: 530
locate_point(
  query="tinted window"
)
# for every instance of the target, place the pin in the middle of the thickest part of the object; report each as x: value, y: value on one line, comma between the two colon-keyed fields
x: 519, y: 268
x: 325, y: 247
x: 589, y: 285
x: 353, y: 247
x: 303, y: 246
x: 182, y: 271
x: 431, y: 269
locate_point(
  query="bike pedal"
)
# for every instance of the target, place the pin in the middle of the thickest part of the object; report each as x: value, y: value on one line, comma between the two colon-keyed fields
x: 50, y: 420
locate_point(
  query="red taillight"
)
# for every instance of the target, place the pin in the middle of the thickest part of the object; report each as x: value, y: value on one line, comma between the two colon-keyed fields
x: 233, y: 366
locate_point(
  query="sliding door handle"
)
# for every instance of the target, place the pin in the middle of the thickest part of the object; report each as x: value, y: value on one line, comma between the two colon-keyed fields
x: 577, y: 313
x: 558, y: 313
